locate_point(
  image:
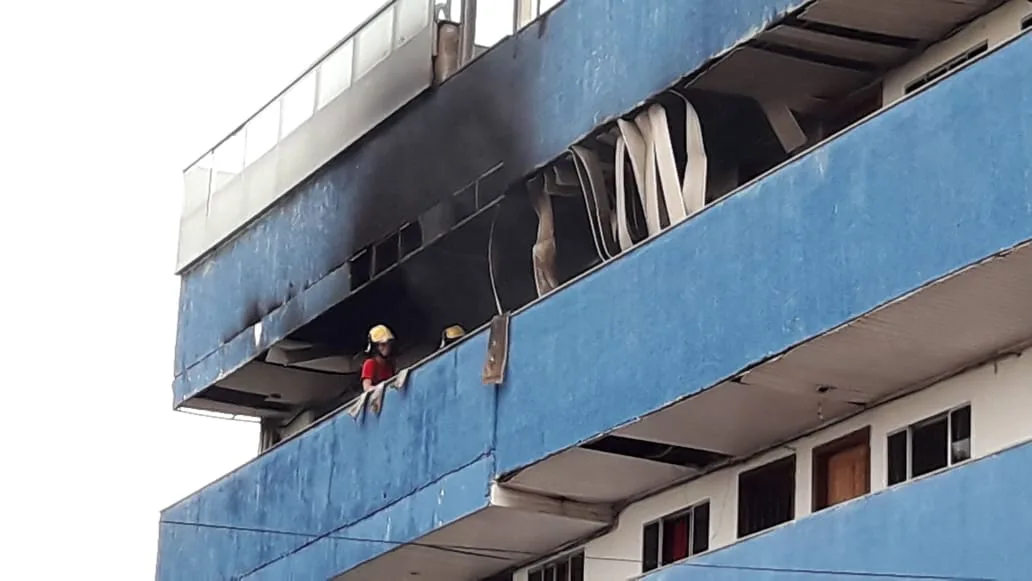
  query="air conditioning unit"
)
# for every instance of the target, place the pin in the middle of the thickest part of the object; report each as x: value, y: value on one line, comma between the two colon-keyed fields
x: 965, y: 45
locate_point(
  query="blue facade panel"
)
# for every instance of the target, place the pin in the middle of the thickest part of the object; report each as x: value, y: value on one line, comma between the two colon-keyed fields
x: 521, y: 104
x: 927, y: 188
x: 457, y: 495
x: 970, y: 522
x: 342, y: 473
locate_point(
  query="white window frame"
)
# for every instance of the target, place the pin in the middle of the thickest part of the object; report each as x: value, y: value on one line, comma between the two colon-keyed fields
x: 909, y: 430
x: 691, y: 531
x: 565, y: 557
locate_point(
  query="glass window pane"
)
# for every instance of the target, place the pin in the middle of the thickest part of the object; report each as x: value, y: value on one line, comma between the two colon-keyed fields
x: 495, y: 24
x: 196, y: 183
x: 298, y: 104
x: 262, y: 133
x: 960, y: 434
x: 928, y: 447
x: 335, y: 73
x: 650, y: 548
x: 373, y: 43
x: 675, y: 538
x: 960, y: 424
x: 229, y: 160
x: 897, y: 452
x: 577, y: 567
x: 412, y: 17
x: 700, y: 529
x: 562, y: 571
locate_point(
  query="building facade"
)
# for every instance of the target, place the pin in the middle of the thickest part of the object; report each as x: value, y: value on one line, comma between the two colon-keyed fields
x: 747, y: 286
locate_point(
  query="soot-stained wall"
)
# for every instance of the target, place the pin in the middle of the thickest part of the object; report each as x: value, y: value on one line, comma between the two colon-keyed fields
x: 522, y: 104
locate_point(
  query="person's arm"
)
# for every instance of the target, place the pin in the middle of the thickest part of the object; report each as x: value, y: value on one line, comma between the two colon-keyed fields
x: 368, y: 372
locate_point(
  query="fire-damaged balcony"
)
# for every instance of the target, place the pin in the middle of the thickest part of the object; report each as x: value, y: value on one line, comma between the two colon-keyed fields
x: 494, y: 244
x: 895, y: 254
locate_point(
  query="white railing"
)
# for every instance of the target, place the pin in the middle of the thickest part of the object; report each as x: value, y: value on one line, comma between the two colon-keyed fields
x: 218, y: 198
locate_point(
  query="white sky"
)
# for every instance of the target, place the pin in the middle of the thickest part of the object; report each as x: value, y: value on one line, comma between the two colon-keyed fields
x: 102, y: 105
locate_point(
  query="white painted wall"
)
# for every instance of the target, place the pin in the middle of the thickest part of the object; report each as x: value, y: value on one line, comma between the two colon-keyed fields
x: 1000, y: 395
x: 997, y: 27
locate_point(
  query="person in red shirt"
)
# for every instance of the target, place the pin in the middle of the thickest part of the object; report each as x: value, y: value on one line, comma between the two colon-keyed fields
x: 378, y: 366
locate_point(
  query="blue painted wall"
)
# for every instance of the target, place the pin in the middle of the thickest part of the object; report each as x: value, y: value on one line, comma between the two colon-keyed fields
x: 926, y: 188
x: 345, y: 476
x: 523, y: 104
x: 904, y: 199
x: 970, y: 522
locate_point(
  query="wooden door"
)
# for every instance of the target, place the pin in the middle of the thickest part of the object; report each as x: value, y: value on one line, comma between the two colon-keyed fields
x: 847, y: 474
x: 842, y: 469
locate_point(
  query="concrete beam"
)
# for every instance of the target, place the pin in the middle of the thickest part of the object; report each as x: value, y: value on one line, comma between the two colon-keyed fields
x: 504, y: 497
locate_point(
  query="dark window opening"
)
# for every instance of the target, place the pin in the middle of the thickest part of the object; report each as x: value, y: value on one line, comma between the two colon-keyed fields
x: 465, y: 202
x: 929, y: 445
x: 897, y: 450
x: 411, y: 238
x: 650, y: 547
x: 675, y: 537
x: 766, y: 496
x: 385, y: 254
x: 361, y: 268
x: 1026, y: 23
x: 566, y: 568
x: 655, y: 451
x: 946, y: 68
x: 851, y: 110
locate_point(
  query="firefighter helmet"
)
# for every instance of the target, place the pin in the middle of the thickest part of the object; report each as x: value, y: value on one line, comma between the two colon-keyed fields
x: 452, y: 334
x: 379, y: 335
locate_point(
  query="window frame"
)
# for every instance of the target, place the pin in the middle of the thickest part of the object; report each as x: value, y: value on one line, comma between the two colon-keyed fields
x: 948, y: 415
x: 689, y: 510
x: 771, y: 466
x: 553, y: 563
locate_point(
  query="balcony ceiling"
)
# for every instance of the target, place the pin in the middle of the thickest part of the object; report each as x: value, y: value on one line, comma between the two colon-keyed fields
x: 482, y: 544
x: 933, y: 333
x: 835, y: 47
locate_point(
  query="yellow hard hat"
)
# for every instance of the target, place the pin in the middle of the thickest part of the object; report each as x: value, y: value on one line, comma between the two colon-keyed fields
x: 453, y: 332
x: 380, y: 334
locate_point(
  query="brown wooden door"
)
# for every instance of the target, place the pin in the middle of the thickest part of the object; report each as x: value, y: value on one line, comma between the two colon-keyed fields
x: 847, y: 474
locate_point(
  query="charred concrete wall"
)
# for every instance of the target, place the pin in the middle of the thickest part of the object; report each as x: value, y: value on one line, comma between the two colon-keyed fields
x: 520, y: 105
